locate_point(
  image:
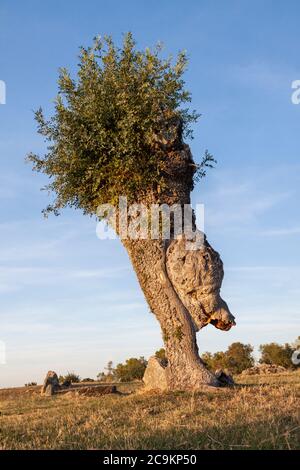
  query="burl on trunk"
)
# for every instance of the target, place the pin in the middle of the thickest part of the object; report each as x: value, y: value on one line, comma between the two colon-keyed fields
x: 181, y: 286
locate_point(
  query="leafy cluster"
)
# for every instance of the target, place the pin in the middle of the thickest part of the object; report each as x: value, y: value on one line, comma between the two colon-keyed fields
x: 278, y: 354
x: 132, y: 369
x: 239, y: 357
x: 101, y: 136
x: 161, y: 355
x: 236, y: 358
x: 69, y: 377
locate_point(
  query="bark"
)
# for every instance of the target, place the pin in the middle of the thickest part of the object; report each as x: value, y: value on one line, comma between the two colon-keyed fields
x: 185, y: 370
x: 182, y: 287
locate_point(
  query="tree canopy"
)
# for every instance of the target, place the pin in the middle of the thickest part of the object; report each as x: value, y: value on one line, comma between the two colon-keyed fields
x: 273, y: 353
x: 132, y: 369
x: 102, y: 136
x: 237, y: 358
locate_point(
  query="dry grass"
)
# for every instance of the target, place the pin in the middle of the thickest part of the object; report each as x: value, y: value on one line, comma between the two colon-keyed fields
x: 261, y: 413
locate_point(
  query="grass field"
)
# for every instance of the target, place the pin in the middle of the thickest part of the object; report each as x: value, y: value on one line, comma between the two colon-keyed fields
x: 260, y: 413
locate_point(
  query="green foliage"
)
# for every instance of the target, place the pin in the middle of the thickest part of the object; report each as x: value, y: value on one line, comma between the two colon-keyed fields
x: 30, y: 384
x: 133, y: 369
x: 70, y: 377
x: 101, y: 138
x: 214, y: 361
x: 239, y: 357
x: 278, y: 354
x: 208, y: 161
x: 236, y: 358
x: 161, y: 355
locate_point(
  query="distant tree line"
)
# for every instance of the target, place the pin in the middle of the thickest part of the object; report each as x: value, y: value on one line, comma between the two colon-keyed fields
x: 235, y: 359
x: 239, y: 356
x: 132, y: 369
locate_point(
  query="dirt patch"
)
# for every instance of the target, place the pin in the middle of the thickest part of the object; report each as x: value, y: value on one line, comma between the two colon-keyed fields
x: 95, y: 391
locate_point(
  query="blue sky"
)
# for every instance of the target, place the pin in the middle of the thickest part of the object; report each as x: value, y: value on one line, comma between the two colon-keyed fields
x: 70, y: 301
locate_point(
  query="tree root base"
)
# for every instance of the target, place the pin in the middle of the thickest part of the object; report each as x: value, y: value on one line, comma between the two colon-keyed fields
x: 156, y: 378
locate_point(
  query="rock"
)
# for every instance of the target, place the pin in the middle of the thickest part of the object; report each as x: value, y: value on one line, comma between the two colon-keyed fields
x: 96, y: 391
x: 50, y: 379
x: 225, y: 379
x: 49, y: 390
x: 155, y: 376
x: 264, y: 369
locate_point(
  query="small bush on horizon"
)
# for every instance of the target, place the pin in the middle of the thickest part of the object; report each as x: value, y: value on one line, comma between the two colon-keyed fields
x: 70, y: 377
x: 236, y: 358
x: 132, y: 369
x: 280, y: 355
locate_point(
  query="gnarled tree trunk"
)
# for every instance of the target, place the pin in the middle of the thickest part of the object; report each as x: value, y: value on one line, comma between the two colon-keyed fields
x: 181, y: 286
x: 185, y: 370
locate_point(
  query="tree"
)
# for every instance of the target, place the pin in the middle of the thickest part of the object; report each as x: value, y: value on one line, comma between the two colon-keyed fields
x: 236, y: 358
x: 133, y: 369
x: 118, y: 130
x: 214, y: 361
x: 278, y: 354
x: 239, y: 357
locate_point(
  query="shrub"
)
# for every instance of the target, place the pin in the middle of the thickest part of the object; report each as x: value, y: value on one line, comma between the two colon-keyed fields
x: 133, y: 369
x: 278, y: 354
x: 161, y: 354
x: 71, y: 377
x: 214, y: 361
x: 239, y: 357
x: 236, y: 358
